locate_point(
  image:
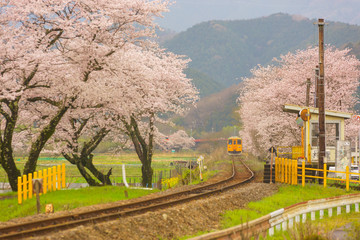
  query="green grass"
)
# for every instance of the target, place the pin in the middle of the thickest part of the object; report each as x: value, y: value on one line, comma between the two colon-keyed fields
x: 161, y: 163
x: 68, y: 199
x: 7, y: 194
x: 286, y: 196
x: 195, y: 176
x: 322, y: 228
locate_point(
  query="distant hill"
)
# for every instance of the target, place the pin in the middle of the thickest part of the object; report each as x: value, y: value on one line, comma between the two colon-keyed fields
x: 204, y: 83
x: 227, y: 50
x: 213, y: 112
x: 224, y: 51
x: 355, y: 48
x: 164, y: 35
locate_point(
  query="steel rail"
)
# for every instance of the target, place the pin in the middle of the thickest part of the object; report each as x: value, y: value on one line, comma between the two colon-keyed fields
x: 110, y: 213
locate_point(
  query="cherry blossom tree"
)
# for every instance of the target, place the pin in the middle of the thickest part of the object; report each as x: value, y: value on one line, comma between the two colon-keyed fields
x: 49, y: 51
x: 178, y: 140
x: 161, y: 88
x: 284, y: 82
x: 137, y: 86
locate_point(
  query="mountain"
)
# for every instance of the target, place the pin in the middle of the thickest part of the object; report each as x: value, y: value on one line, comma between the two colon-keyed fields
x: 164, y: 35
x: 228, y: 50
x: 186, y: 13
x: 213, y: 112
x: 355, y: 48
x: 224, y: 51
x: 204, y: 83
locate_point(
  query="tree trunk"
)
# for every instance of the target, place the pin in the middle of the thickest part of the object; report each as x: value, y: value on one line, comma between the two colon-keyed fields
x: 86, y: 175
x: 73, y: 159
x: 104, y: 179
x: 84, y: 159
x: 147, y: 174
x: 6, y: 150
x: 143, y: 150
x: 11, y: 170
x: 38, y: 145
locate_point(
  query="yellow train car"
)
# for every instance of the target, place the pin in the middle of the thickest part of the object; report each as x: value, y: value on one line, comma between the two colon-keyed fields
x: 234, y: 146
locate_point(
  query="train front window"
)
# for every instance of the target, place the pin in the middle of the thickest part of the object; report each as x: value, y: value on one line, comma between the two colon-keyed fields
x: 239, y: 141
x: 230, y: 141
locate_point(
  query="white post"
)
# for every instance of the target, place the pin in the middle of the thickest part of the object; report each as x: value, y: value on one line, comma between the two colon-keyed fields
x: 284, y: 225
x: 330, y: 212
x: 271, y: 231
x: 321, y: 214
x: 291, y: 222
x: 124, y: 176
x: 200, y: 162
x: 297, y: 218
x: 278, y: 227
x: 338, y: 210
x: 347, y: 208
x: 356, y: 207
x: 304, y: 217
x: 312, y: 216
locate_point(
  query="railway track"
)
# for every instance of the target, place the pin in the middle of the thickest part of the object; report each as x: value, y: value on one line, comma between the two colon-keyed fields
x: 35, y: 228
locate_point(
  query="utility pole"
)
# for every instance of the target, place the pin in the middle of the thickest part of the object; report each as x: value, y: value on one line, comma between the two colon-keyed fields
x: 308, y: 83
x: 316, y: 103
x: 307, y: 103
x: 321, y: 98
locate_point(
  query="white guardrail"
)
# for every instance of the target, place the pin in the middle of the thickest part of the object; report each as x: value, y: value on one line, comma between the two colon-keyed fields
x: 285, y: 218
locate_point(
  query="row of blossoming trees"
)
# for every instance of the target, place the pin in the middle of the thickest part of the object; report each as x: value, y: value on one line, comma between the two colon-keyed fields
x: 74, y: 72
x: 284, y: 82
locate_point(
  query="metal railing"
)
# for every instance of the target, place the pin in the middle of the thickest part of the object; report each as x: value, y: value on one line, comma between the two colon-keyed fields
x: 287, y: 171
x: 293, y: 152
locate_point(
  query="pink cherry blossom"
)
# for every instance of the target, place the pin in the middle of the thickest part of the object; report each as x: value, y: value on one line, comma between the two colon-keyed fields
x: 284, y: 82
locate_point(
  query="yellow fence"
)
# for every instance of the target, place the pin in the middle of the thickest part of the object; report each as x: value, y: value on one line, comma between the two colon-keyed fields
x: 53, y: 179
x: 294, y: 152
x: 287, y: 171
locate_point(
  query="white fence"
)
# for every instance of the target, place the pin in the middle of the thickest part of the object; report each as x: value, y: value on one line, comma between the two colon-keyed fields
x: 285, y: 218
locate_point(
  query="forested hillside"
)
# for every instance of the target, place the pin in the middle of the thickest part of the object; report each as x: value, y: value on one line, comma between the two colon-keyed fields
x: 227, y: 50
x: 213, y: 112
x: 204, y: 83
x: 355, y: 48
x: 223, y: 52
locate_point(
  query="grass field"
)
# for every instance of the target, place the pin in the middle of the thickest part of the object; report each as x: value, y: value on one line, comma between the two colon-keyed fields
x: 67, y: 199
x: 73, y: 198
x: 287, y: 196
x: 161, y: 163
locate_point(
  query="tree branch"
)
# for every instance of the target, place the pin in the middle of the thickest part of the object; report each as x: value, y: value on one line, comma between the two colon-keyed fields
x: 31, y: 76
x: 90, y: 146
x: 51, y: 102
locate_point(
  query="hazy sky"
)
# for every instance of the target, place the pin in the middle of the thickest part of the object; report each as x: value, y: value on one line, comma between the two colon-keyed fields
x: 186, y: 13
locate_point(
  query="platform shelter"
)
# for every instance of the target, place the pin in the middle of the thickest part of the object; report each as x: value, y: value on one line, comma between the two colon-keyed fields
x: 335, y: 130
